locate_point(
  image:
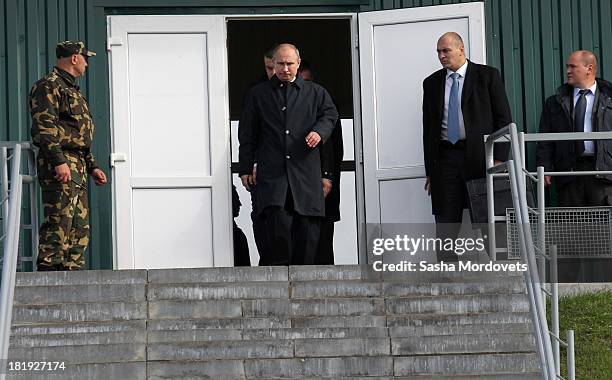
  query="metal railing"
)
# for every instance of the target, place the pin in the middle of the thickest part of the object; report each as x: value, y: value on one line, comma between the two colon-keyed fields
x: 548, y: 342
x: 11, y: 198
x: 28, y: 152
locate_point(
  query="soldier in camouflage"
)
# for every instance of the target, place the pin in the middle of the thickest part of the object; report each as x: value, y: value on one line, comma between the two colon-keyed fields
x: 62, y: 129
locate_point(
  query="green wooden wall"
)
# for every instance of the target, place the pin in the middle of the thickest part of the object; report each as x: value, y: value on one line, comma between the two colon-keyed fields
x: 528, y: 40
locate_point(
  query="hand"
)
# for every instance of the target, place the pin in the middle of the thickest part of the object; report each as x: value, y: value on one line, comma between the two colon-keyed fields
x: 427, y: 186
x: 98, y: 176
x: 247, y: 181
x: 327, y: 186
x: 255, y: 174
x: 313, y: 139
x: 62, y: 173
x: 547, y: 180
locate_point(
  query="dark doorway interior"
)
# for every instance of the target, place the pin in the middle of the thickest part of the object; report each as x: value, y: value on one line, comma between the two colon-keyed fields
x: 324, y: 43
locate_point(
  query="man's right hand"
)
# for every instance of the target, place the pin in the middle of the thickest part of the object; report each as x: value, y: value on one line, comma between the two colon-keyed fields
x: 247, y: 181
x: 62, y: 173
x: 547, y: 180
x: 427, y: 185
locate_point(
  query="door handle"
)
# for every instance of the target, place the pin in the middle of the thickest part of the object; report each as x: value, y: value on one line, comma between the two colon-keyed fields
x: 117, y: 157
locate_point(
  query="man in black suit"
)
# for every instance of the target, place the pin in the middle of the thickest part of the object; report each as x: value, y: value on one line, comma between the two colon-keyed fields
x: 332, y: 153
x: 283, y: 123
x: 462, y: 102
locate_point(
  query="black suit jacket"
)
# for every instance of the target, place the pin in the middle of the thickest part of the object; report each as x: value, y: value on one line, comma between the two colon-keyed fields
x: 275, y: 129
x: 485, y: 109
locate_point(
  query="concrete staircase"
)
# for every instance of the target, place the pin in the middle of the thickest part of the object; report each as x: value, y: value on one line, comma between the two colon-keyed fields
x: 340, y: 322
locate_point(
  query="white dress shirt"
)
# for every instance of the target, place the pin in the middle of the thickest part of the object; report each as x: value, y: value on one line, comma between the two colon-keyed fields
x: 447, y: 89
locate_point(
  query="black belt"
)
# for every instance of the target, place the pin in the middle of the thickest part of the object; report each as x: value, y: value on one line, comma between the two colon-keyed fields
x: 445, y: 144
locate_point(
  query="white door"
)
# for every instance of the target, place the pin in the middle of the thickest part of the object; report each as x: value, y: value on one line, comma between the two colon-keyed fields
x: 170, y: 136
x: 397, y: 51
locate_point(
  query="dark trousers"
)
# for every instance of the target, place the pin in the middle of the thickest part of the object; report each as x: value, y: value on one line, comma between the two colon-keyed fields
x: 325, y: 250
x: 585, y: 191
x: 291, y: 238
x: 259, y: 231
x: 451, y: 191
x: 241, y: 248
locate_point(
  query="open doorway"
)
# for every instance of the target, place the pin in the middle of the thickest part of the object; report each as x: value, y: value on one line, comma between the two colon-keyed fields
x: 326, y: 45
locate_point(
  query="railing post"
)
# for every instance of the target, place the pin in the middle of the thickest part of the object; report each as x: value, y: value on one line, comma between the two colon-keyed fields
x: 490, y: 162
x: 554, y: 290
x: 571, y: 364
x: 33, y: 186
x: 11, y: 250
x: 4, y: 190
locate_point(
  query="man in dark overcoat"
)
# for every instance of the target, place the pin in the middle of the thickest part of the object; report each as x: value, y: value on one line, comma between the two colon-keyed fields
x: 284, y: 122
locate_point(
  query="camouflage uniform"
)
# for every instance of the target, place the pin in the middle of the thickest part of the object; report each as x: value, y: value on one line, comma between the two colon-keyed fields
x: 62, y: 128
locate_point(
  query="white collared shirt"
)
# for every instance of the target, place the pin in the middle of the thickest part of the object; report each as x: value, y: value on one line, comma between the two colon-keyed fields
x: 589, y: 146
x: 447, y: 88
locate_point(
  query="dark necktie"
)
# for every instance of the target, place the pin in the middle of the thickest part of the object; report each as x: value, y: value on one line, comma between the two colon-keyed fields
x: 579, y: 113
x: 453, y: 111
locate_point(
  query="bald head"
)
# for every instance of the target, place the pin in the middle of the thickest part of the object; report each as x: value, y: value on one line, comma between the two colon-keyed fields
x: 453, y: 38
x: 581, y: 69
x: 451, y: 51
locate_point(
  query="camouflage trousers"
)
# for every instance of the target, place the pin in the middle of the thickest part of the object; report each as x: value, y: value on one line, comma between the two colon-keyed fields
x: 64, y: 234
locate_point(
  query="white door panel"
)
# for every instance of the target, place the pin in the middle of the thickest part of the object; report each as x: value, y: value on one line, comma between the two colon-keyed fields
x: 169, y: 120
x: 398, y: 51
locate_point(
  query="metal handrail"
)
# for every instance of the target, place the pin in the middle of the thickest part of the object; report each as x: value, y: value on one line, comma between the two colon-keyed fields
x: 11, y: 250
x: 28, y: 154
x: 518, y: 151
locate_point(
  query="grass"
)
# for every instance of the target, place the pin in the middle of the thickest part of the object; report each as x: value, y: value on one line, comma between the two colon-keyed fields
x: 590, y: 316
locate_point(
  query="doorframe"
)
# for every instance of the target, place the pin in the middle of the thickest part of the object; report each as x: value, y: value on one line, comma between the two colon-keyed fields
x: 357, y: 127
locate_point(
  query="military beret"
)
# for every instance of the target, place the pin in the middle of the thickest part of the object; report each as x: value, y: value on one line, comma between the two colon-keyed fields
x: 68, y: 48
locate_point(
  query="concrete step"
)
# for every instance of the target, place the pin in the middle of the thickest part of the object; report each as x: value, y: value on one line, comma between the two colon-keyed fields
x: 78, y: 327
x: 190, y: 370
x: 217, y: 275
x: 131, y: 371
x: 367, y: 273
x: 481, y: 364
x: 355, y: 321
x: 462, y: 344
x: 60, y: 340
x: 84, y: 354
x: 503, y: 285
x: 198, y: 335
x: 88, y: 277
x: 220, y: 350
x: 317, y: 333
x: 458, y: 304
x: 457, y: 319
x: 219, y: 323
x: 340, y: 322
x: 218, y: 291
x: 466, y: 329
x: 522, y: 376
x: 79, y: 312
x: 59, y: 294
x: 299, y: 368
